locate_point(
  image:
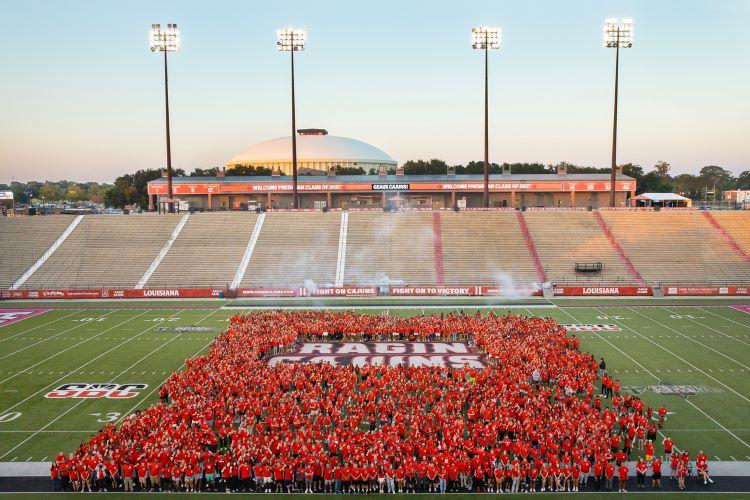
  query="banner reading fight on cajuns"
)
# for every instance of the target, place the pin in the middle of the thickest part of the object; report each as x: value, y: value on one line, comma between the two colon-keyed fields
x: 413, y: 354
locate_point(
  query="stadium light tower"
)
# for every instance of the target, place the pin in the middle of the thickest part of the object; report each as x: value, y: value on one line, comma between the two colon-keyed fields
x: 616, y: 36
x: 486, y: 38
x: 292, y: 40
x: 166, y: 40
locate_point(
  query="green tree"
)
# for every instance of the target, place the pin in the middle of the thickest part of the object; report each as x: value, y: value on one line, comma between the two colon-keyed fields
x: 743, y: 181
x: 350, y: 171
x: 687, y: 185
x: 248, y: 170
x: 713, y: 175
x: 203, y: 172
x: 662, y: 168
x: 652, y: 182
x: 51, y: 191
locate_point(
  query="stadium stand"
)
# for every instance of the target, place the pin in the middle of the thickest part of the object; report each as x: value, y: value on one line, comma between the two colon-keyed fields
x: 737, y: 226
x: 564, y: 238
x: 384, y: 248
x: 673, y: 247
x: 485, y: 248
x: 23, y: 240
x: 105, y: 251
x: 207, y: 251
x: 294, y: 249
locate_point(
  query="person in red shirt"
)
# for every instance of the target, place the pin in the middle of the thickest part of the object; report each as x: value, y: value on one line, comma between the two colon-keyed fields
x: 656, y: 473
x: 598, y: 474
x: 309, y: 474
x: 682, y: 472
x: 622, y: 475
x: 648, y: 450
x: 54, y: 472
x: 154, y: 471
x: 640, y: 471
x: 701, y: 465
x: 609, y: 474
x: 662, y: 416
x: 127, y: 475
x: 142, y: 469
x: 668, y: 446
x: 245, y: 474
x: 478, y: 483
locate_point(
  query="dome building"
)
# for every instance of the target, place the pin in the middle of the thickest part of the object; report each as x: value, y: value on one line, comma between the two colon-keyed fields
x: 317, y: 154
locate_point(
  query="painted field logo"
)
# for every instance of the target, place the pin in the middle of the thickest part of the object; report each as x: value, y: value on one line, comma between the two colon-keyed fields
x: 592, y: 328
x: 672, y: 390
x: 95, y: 391
x: 8, y: 316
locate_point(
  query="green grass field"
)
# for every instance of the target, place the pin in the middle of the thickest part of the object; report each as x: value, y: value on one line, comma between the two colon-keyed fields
x: 707, y: 346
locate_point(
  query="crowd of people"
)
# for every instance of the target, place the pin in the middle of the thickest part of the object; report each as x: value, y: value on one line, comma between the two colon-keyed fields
x: 535, y: 419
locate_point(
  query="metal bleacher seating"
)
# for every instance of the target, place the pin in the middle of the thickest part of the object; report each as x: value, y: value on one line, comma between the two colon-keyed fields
x: 23, y: 240
x: 207, y: 251
x: 485, y: 248
x: 105, y: 251
x: 563, y: 238
x: 394, y: 247
x: 673, y: 247
x: 295, y: 248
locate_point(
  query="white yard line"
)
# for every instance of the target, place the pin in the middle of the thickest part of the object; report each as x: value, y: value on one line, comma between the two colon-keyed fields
x: 45, y: 339
x: 144, y: 398
x: 717, y: 423
x: 84, y: 400
x: 83, y: 365
x: 653, y: 375
x: 69, y: 348
x: 690, y: 339
x: 44, y: 324
x: 740, y: 323
x: 683, y: 359
x: 710, y: 328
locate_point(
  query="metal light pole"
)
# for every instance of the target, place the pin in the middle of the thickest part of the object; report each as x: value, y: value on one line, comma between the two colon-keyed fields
x: 617, y: 37
x: 486, y: 38
x: 292, y: 40
x: 166, y: 40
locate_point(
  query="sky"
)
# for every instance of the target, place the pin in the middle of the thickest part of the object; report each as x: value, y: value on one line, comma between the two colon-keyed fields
x: 82, y: 96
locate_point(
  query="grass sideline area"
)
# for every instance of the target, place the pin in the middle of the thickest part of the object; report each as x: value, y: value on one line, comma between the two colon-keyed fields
x: 704, y: 345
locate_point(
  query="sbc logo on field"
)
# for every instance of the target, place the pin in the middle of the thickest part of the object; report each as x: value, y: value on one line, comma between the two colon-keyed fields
x: 93, y: 391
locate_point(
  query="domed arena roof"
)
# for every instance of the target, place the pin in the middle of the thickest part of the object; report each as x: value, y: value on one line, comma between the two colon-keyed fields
x: 312, y: 148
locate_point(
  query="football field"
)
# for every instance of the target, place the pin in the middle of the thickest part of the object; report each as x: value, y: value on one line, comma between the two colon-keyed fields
x: 695, y: 359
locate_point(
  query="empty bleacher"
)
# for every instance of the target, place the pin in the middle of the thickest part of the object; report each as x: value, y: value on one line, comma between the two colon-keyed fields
x: 384, y: 248
x: 672, y: 247
x: 207, y: 252
x: 295, y: 248
x: 105, y: 251
x: 23, y: 240
x: 485, y: 248
x: 563, y: 238
x: 737, y: 224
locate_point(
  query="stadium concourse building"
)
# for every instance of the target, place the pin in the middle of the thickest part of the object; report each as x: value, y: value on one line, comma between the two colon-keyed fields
x: 319, y: 155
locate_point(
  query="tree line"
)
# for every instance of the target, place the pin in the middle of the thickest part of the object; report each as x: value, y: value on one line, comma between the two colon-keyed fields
x: 131, y: 189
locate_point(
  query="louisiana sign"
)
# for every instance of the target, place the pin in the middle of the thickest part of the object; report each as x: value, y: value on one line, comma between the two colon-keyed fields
x: 414, y: 354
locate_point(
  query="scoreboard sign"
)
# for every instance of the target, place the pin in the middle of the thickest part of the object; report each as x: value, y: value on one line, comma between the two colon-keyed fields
x: 413, y: 354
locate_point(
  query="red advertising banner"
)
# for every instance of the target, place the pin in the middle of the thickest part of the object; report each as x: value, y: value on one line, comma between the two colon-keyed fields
x: 267, y: 292
x: 594, y: 291
x: 114, y: 294
x: 706, y: 290
x: 343, y: 291
x: 284, y: 186
x: 401, y: 291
